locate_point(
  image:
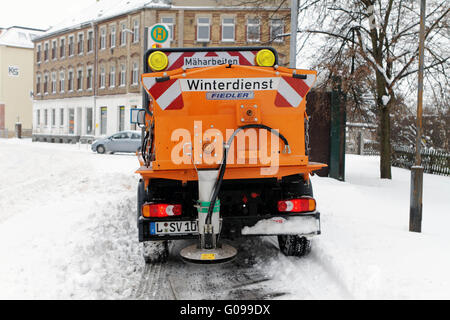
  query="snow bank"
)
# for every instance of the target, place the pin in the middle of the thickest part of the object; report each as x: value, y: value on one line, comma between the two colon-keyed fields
x: 365, y: 246
x: 67, y: 223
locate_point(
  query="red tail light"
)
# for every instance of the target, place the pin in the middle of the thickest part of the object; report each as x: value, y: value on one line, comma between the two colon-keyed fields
x: 161, y: 210
x: 297, y: 205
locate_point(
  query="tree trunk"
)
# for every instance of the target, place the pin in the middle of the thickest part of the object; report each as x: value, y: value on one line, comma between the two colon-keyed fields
x: 384, y: 127
x: 385, y: 142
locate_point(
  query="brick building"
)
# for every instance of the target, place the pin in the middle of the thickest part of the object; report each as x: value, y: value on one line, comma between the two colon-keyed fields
x: 87, y: 69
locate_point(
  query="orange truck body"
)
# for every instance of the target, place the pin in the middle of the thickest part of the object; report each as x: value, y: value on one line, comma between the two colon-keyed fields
x: 202, y: 117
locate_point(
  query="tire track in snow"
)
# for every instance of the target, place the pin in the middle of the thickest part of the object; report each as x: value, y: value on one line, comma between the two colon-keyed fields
x: 176, y: 279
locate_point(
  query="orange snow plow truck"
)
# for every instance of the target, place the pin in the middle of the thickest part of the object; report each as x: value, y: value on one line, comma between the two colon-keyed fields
x: 224, y: 153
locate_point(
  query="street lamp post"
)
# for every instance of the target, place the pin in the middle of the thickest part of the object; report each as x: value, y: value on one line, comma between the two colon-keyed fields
x: 415, y: 212
x: 294, y: 26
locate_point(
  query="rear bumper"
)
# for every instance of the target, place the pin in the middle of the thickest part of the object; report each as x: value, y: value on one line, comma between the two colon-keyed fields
x: 234, y: 227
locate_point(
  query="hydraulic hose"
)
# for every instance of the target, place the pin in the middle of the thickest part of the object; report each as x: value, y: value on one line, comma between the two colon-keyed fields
x: 223, y: 166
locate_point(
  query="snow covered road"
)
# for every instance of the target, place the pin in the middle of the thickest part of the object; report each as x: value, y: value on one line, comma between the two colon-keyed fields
x: 68, y: 230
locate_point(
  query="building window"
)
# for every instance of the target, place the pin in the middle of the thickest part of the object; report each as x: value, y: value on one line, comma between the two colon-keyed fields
x: 70, y: 78
x: 89, y: 79
x: 61, y: 117
x: 38, y: 85
x: 54, y: 50
x: 62, y: 48
x: 80, y: 43
x: 80, y: 80
x: 203, y: 29
x: 46, y: 84
x: 169, y: 22
x: 38, y: 117
x: 135, y: 73
x: 102, y: 78
x: 53, y: 117
x: 123, y: 75
x: 121, y: 118
x: 112, y: 77
x: 71, y: 46
x: 53, y: 82
x: 136, y: 31
x: 62, y: 77
x: 102, y: 38
x: 38, y: 54
x: 46, y: 51
x: 253, y: 30
x: 123, y: 34
x: 46, y: 117
x: 90, y: 41
x: 103, y: 120
x: 228, y: 30
x: 276, y: 29
x: 113, y: 37
x: 89, y: 118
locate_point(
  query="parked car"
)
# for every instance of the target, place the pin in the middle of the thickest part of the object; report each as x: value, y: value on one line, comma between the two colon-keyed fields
x: 124, y: 141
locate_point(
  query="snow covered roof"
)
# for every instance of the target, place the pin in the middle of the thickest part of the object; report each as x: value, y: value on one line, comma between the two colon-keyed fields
x: 102, y: 10
x: 19, y: 37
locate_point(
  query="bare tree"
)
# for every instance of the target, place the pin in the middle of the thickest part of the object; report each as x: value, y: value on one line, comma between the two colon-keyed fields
x: 378, y: 39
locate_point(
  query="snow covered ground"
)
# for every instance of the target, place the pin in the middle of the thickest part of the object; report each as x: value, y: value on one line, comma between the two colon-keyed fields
x: 68, y: 230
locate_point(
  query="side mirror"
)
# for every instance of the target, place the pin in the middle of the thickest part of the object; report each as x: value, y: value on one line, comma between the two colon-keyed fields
x: 137, y: 116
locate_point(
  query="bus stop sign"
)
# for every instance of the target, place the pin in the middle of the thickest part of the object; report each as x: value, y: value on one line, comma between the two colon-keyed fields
x: 159, y: 34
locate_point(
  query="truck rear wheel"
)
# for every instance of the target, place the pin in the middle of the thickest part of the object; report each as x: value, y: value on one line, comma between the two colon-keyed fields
x: 152, y: 251
x: 155, y: 251
x: 293, y: 245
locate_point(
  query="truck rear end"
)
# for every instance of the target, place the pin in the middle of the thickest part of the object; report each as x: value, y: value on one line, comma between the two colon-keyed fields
x: 224, y: 152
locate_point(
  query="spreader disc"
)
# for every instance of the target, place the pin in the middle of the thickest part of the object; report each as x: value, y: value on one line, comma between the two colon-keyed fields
x: 208, y: 256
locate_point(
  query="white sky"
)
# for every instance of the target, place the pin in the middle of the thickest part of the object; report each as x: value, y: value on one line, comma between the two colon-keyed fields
x: 40, y: 14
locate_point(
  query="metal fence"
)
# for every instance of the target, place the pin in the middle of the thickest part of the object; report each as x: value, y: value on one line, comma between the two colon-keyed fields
x: 433, y: 161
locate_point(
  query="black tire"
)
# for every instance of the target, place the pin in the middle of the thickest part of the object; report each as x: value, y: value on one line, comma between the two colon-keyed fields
x: 101, y: 149
x: 152, y: 251
x: 294, y: 246
x: 155, y: 251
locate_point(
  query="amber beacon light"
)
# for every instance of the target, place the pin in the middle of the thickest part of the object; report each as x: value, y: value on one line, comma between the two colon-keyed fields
x: 158, y: 61
x: 265, y: 58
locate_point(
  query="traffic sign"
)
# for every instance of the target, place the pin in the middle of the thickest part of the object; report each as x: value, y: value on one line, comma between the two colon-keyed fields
x: 159, y: 36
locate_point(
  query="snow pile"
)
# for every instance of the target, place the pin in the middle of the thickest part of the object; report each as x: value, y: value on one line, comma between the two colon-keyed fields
x: 365, y: 246
x: 67, y: 223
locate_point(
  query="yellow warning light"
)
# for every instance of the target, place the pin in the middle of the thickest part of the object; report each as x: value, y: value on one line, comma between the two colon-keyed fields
x: 158, y: 61
x: 265, y: 58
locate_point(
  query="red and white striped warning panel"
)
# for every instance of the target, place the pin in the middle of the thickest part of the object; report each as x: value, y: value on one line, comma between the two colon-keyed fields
x: 192, y: 59
x: 292, y: 91
x: 167, y: 94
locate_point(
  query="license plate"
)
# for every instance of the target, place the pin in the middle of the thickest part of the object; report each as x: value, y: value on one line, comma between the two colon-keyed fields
x: 173, y: 227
